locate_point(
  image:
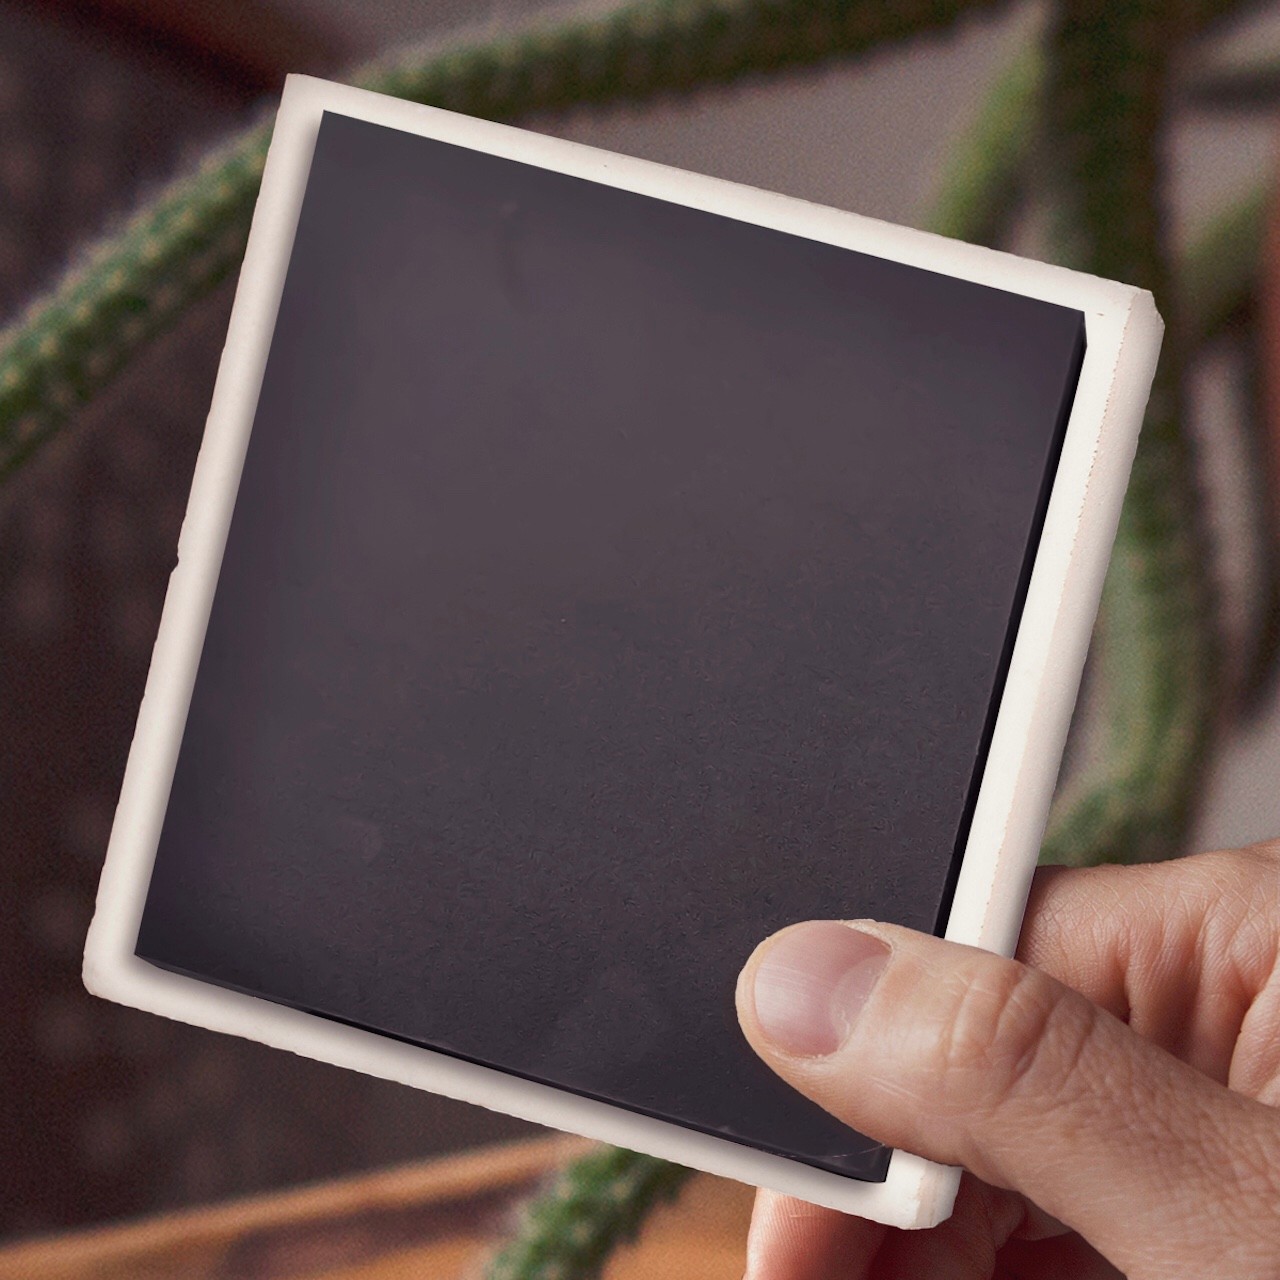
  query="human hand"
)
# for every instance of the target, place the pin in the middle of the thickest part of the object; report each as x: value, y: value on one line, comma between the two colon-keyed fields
x: 1090, y: 1145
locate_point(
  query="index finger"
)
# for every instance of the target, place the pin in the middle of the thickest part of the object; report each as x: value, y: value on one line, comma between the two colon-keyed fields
x: 793, y: 1240
x: 1177, y: 949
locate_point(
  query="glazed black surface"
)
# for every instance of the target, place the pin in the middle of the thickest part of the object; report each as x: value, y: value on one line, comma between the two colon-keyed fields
x: 610, y: 583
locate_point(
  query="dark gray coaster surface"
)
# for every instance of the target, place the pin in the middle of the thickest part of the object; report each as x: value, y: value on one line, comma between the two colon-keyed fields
x: 610, y: 583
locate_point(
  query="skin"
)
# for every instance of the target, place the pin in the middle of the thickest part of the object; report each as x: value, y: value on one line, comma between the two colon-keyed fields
x: 1112, y: 1094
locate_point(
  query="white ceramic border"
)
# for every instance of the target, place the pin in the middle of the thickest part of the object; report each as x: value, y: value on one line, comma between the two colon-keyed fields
x: 1123, y: 337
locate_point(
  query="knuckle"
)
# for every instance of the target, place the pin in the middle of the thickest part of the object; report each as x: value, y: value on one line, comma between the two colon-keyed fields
x: 1013, y: 1035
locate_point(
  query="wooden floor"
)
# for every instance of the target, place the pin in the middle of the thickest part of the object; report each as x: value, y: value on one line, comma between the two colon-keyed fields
x: 439, y: 1219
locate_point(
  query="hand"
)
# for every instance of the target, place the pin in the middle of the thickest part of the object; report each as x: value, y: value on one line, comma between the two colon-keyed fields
x: 1090, y: 1145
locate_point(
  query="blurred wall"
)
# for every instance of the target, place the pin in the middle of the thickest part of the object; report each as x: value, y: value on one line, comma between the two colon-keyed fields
x: 106, y: 1112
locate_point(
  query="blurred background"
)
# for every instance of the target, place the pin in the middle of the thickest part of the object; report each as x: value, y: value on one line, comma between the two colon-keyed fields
x: 109, y: 1114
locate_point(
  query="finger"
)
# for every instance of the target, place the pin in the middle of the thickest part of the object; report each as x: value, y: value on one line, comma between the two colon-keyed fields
x: 1178, y: 949
x: 968, y: 1058
x: 964, y: 1247
x: 793, y: 1240
x: 967, y: 1245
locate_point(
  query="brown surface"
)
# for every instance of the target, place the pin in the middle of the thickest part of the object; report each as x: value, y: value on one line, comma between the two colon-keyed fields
x: 439, y: 1219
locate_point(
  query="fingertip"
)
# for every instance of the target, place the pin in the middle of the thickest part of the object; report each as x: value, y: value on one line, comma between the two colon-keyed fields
x: 803, y: 988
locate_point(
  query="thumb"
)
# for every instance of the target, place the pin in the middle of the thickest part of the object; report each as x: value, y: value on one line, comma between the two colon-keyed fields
x: 970, y: 1059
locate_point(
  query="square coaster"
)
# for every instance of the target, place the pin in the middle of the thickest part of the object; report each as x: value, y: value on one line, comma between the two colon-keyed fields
x: 590, y: 570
